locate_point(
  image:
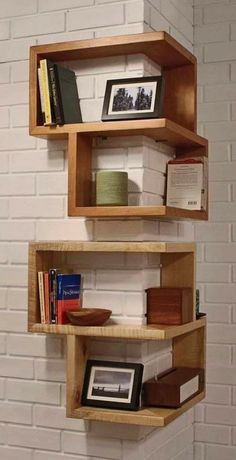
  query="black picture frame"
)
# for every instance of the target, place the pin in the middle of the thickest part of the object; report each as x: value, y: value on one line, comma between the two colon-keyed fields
x: 122, y: 107
x: 112, y: 384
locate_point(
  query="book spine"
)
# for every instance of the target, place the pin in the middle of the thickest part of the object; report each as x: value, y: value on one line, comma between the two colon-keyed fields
x: 41, y: 94
x: 58, y: 113
x: 46, y: 298
x: 46, y: 93
x: 41, y: 297
x: 53, y: 296
x: 68, y: 295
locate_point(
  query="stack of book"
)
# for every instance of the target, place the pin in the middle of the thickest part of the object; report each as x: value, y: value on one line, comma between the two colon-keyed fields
x: 58, y: 94
x: 58, y: 293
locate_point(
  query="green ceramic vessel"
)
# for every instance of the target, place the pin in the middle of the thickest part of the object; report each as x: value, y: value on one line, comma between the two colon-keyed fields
x: 111, y: 188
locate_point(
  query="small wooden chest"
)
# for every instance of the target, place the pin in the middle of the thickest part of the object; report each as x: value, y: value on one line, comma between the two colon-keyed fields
x: 173, y: 387
x: 169, y: 305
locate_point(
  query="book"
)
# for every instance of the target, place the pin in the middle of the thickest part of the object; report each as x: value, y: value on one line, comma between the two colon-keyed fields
x: 41, y: 296
x: 46, y: 92
x: 187, y: 183
x: 65, y: 98
x: 46, y: 298
x: 41, y: 95
x: 68, y: 295
x: 52, y: 282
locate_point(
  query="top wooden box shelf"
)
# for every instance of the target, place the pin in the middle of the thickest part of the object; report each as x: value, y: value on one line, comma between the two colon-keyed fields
x: 177, y: 128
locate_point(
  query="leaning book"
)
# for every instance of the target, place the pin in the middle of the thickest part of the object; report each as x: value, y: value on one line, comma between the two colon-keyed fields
x: 68, y: 295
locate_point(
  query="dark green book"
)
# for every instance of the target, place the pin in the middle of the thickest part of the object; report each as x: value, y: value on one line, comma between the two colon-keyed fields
x: 65, y: 96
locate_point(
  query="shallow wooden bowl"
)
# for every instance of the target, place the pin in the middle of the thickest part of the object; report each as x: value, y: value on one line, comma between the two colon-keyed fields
x: 89, y: 316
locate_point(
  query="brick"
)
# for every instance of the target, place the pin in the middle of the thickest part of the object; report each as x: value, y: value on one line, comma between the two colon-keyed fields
x: 97, y: 16
x: 16, y: 367
x: 13, y: 321
x: 234, y: 395
x: 199, y: 410
x: 4, y: 73
x: 19, y: 116
x: 221, y: 252
x: 16, y: 139
x: 213, y: 73
x: 124, y: 230
x: 52, y: 184
x: 18, y: 253
x: 15, y: 50
x: 36, y: 207
x: 198, y: 451
x: 233, y: 71
x: 40, y: 455
x: 212, y: 232
x: 16, y: 93
x: 223, y: 415
x: 2, y: 343
x: 214, y: 112
x: 91, y: 109
x: 209, y: 33
x: 33, y: 345
x: 218, y: 394
x: 15, y: 453
x: 38, y: 25
x: 218, y: 354
x: 213, y: 434
x: 4, y: 117
x: 4, y: 163
x: 74, y: 230
x: 33, y: 437
x: 16, y: 231
x: 222, y: 333
x: 219, y: 13
x: 15, y: 413
x: 220, y: 293
x: 13, y: 276
x: 221, y: 172
x: 219, y: 191
x: 4, y: 30
x: 219, y: 52
x: 109, y: 158
x: 179, y: 21
x: 9, y: 9
x: 135, y: 11
x: 55, y: 417
x: 3, y: 253
x: 219, y: 151
x: 105, y: 299
x: 3, y: 298
x: 22, y: 161
x: 218, y: 313
x: 4, y: 208
x: 36, y: 392
x: 19, y: 184
x: 213, y: 273
x: 62, y: 4
x: 226, y: 376
x: 50, y: 370
x: 20, y: 71
x: 77, y: 443
x: 223, y: 92
x: 120, y: 30
x: 222, y: 212
x: 184, y: 8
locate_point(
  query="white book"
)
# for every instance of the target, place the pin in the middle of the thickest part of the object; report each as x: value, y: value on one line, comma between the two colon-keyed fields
x: 41, y: 296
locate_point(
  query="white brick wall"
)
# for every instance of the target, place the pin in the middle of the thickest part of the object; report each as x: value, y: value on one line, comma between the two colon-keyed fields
x: 33, y: 205
x: 215, y: 41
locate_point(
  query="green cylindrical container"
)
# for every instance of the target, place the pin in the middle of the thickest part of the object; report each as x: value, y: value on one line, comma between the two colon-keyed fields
x: 111, y: 188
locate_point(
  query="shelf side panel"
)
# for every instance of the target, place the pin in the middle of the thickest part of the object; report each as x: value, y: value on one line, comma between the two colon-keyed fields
x: 189, y: 349
x: 76, y: 363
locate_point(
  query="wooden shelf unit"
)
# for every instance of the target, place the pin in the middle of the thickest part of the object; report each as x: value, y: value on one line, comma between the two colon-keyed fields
x: 177, y: 262
x: 177, y: 127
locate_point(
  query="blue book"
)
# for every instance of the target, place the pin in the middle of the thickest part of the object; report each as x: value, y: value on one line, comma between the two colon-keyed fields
x: 68, y: 295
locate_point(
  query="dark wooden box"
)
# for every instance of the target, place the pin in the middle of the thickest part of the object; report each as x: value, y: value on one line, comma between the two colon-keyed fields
x: 173, y: 387
x: 169, y: 305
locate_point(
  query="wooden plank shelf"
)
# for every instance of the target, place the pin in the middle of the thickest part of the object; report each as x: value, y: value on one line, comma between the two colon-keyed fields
x: 128, y: 332
x: 147, y: 416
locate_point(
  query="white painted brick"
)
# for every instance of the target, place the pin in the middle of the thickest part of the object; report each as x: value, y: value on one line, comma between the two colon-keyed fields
x: 214, y: 111
x: 55, y: 417
x: 4, y: 163
x: 157, y: 21
x: 208, y: 33
x: 221, y: 172
x: 217, y: 313
x: 220, y: 293
x: 15, y: 50
x: 36, y: 392
x: 213, y: 434
x: 4, y: 73
x: 3, y: 253
x: 233, y: 71
x: 3, y: 298
x: 125, y: 230
x: 198, y: 451
x: 224, y: 415
x: 184, y: 6
x: 36, y: 207
x: 223, y: 92
x: 86, y: 18
x: 38, y: 25
x: 17, y: 299
x: 219, y: 151
x: 177, y: 19
x: 126, y: 280
x: 111, y: 300
x: 223, y: 252
x: 77, y: 443
x: 17, y: 184
x: 62, y: 4
x: 212, y: 73
x: 85, y: 87
x: 109, y: 158
x: 13, y: 276
x: 223, y: 212
x: 225, y: 333
x: 15, y: 453
x: 18, y: 253
x: 16, y: 367
x: 219, y: 191
x: 33, y: 437
x: 91, y: 109
x: 219, y: 13
x: 4, y: 30
x: 52, y: 184
x: 120, y: 30
x: 115, y: 351
x: 10, y: 9
x: 19, y: 116
x: 234, y: 396
x: 135, y: 11
x: 15, y: 413
x: 218, y: 354
x: 20, y: 71
x: 50, y: 370
x: 4, y: 117
x: 4, y: 208
x: 222, y: 375
x: 23, y: 231
x: 218, y: 394
x: 73, y: 229
x: 2, y: 343
x: 31, y: 345
x: 66, y: 36
x: 16, y: 139
x: 199, y: 410
x: 41, y: 455
x: 181, y: 39
x: 219, y: 52
x: 213, y: 273
x: 22, y: 161
x: 13, y: 321
x: 220, y: 452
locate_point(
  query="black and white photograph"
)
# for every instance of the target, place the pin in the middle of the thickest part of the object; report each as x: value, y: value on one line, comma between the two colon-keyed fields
x: 112, y: 384
x: 133, y: 98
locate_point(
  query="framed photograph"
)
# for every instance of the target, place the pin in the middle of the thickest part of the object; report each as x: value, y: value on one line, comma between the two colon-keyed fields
x: 112, y: 384
x: 133, y: 98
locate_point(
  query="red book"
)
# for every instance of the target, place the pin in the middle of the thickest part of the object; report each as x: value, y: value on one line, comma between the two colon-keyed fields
x: 68, y: 295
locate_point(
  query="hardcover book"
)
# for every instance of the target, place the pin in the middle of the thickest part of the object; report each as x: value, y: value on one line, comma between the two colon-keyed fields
x: 68, y: 295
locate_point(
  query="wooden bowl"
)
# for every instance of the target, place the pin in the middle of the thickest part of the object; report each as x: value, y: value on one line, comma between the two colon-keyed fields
x: 89, y: 316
